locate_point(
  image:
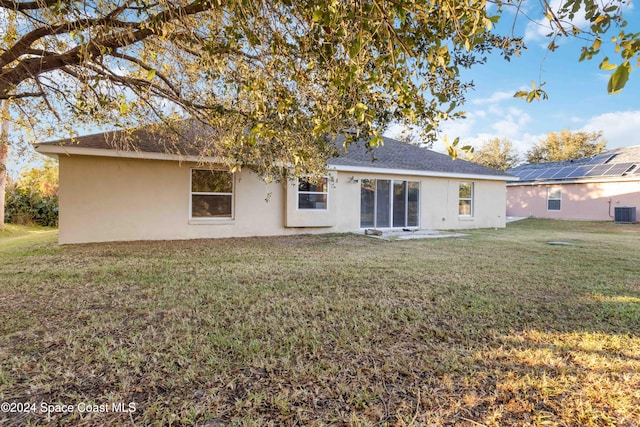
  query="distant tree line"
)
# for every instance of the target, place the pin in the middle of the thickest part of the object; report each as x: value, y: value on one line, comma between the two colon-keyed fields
x: 499, y: 153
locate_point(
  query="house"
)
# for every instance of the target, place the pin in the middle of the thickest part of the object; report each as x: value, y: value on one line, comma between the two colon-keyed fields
x: 109, y: 193
x: 585, y: 189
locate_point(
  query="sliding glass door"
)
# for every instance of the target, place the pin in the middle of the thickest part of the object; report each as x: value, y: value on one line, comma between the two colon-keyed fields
x: 386, y: 203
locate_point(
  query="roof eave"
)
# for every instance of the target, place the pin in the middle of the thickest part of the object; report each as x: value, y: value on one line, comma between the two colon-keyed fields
x: 55, y: 150
x: 586, y: 180
x: 411, y: 172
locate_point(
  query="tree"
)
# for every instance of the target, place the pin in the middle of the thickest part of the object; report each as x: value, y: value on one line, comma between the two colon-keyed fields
x: 497, y: 154
x: 566, y: 145
x: 276, y: 79
x: 4, y: 151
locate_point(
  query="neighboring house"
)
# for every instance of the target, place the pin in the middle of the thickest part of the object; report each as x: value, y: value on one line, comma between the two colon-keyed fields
x: 109, y: 194
x: 584, y: 189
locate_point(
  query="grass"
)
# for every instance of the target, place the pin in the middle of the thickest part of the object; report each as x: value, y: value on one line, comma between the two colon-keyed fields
x: 14, y: 237
x: 496, y: 328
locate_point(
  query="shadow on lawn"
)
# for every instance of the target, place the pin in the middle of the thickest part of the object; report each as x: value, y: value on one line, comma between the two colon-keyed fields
x: 205, y: 333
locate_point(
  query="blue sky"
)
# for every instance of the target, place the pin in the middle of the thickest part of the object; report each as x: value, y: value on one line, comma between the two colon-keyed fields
x: 578, y: 98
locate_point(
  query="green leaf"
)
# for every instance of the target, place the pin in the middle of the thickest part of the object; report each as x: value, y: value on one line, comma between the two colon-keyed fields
x: 355, y: 48
x: 451, y: 107
x: 318, y: 15
x: 151, y: 74
x: 619, y: 78
x: 531, y: 96
x: 452, y: 152
x: 376, y: 141
x: 606, y: 65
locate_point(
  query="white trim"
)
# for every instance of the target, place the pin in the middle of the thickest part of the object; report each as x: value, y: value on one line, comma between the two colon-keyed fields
x: 471, y: 200
x: 409, y: 172
x: 549, y: 198
x: 106, y: 152
x: 391, y: 213
x: 626, y: 178
x: 326, y: 193
x: 208, y: 219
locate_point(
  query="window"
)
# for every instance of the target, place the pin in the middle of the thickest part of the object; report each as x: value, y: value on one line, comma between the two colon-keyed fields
x: 388, y: 203
x: 554, y: 199
x: 465, y: 199
x: 211, y: 194
x: 313, y: 194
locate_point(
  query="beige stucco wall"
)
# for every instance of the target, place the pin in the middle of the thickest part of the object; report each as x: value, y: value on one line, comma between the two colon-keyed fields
x: 107, y: 199
x: 296, y: 218
x: 581, y: 201
x: 103, y: 199
x: 438, y: 202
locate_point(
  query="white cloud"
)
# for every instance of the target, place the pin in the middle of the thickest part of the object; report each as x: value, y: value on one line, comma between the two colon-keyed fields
x: 495, y: 122
x: 538, y: 29
x: 494, y: 98
x: 512, y: 123
x: 620, y: 129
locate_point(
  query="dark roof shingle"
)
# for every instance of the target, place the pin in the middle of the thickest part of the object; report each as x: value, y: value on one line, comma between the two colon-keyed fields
x: 403, y: 156
x: 392, y: 154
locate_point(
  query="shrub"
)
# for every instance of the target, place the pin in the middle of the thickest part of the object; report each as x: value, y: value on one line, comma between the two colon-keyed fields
x: 33, y: 199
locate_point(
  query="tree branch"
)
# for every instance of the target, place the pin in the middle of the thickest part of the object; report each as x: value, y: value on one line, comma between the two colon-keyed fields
x: 147, y: 67
x: 95, y: 48
x: 22, y: 45
x: 20, y: 95
x: 26, y: 5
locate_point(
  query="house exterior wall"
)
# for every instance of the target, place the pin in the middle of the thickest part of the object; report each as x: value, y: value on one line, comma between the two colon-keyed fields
x: 107, y: 199
x: 110, y: 199
x: 579, y: 201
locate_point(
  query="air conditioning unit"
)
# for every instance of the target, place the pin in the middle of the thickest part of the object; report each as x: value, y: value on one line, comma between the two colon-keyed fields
x: 624, y: 214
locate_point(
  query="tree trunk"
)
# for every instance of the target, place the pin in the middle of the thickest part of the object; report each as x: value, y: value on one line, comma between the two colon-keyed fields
x: 4, y: 151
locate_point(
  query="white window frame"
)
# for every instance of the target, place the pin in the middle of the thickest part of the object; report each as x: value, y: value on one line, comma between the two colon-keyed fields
x: 391, y: 214
x: 203, y: 193
x: 559, y: 198
x: 469, y: 199
x: 298, y: 193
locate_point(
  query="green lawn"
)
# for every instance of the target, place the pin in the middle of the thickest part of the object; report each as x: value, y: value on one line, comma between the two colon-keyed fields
x: 16, y: 236
x: 496, y: 328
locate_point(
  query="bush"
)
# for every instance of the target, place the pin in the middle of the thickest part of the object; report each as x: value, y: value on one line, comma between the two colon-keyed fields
x: 24, y: 207
x: 33, y: 199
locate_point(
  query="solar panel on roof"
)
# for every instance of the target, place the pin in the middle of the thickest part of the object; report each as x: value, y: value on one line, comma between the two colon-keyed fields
x: 535, y: 174
x: 528, y: 173
x: 618, y: 169
x: 595, y: 160
x: 599, y: 159
x: 564, y: 172
x: 521, y: 173
x: 548, y: 173
x: 598, y: 170
x: 580, y: 171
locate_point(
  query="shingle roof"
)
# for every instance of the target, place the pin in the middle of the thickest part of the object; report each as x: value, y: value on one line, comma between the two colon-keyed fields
x: 402, y: 156
x: 146, y: 140
x: 392, y: 154
x: 612, y: 164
